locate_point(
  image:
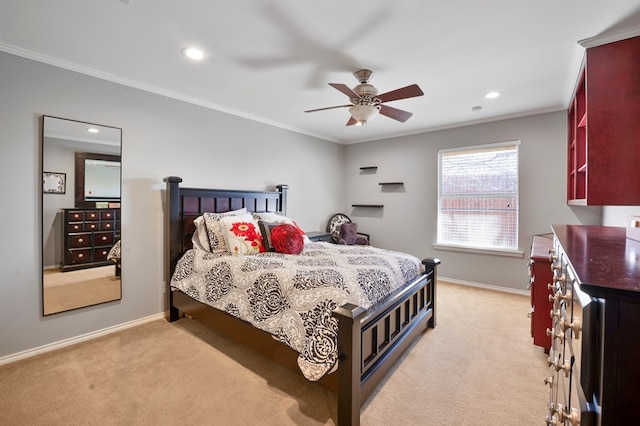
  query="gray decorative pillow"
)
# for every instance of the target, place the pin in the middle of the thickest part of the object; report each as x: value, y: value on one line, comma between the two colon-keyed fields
x: 265, y: 230
x: 349, y: 235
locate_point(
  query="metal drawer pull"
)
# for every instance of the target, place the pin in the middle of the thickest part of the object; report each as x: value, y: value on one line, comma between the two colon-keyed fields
x: 81, y: 240
x: 573, y: 418
x: 557, y: 366
x: 559, y: 296
x: 575, y: 326
x: 554, y: 335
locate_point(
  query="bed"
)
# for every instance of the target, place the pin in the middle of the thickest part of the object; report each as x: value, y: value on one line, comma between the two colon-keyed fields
x: 114, y: 255
x: 369, y: 341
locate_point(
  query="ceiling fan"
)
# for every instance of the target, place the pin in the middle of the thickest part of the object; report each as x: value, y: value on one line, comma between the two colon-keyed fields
x: 366, y: 103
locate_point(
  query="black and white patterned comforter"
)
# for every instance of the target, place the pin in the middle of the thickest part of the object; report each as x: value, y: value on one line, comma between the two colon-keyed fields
x: 114, y: 253
x: 292, y: 296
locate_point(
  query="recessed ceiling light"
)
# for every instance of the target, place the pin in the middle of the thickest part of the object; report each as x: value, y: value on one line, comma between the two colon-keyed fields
x: 92, y: 130
x: 193, y: 53
x: 492, y: 95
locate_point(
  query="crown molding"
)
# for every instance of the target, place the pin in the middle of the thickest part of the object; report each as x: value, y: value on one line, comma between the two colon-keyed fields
x: 609, y: 37
x: 577, y: 63
x: 71, y: 66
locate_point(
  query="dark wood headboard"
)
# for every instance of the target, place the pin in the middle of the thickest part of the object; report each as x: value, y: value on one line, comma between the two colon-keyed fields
x: 184, y: 205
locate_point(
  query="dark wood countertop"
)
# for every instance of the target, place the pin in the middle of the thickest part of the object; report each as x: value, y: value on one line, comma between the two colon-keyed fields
x: 606, y: 262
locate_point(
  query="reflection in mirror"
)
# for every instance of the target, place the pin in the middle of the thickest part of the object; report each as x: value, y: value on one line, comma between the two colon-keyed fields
x: 80, y: 214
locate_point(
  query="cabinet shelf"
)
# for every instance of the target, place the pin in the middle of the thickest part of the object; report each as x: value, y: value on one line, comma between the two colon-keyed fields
x: 374, y: 206
x: 603, y: 127
x: 583, y: 122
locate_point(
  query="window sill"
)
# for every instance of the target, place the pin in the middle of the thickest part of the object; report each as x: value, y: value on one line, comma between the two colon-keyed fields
x: 494, y: 252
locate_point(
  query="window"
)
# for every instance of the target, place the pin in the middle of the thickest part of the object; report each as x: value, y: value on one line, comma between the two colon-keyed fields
x: 478, y: 197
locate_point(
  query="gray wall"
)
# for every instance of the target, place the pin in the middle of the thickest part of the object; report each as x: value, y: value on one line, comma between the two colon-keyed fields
x: 161, y: 137
x: 618, y: 215
x: 408, y: 220
x: 60, y: 159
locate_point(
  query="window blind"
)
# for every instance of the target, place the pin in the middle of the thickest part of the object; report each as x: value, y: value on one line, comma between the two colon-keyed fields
x: 478, y: 196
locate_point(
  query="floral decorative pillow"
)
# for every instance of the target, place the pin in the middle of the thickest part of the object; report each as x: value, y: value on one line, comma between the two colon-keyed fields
x: 242, y: 235
x: 214, y: 230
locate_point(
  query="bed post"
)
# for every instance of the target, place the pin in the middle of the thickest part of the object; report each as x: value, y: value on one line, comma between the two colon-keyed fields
x: 430, y: 268
x: 282, y: 189
x: 349, y: 371
x: 173, y: 242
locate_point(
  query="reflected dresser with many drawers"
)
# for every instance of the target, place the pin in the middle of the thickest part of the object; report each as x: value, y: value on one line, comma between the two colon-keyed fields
x: 594, y: 359
x: 88, y: 235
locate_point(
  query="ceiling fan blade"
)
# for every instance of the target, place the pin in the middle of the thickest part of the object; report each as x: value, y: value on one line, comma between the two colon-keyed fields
x: 333, y: 107
x: 396, y: 114
x: 352, y: 121
x: 403, y: 93
x: 344, y: 89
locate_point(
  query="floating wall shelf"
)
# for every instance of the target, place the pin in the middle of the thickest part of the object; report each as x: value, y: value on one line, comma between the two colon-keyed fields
x: 369, y: 168
x: 391, y: 183
x: 375, y: 206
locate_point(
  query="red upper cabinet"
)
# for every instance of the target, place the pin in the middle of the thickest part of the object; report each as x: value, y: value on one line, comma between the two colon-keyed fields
x: 604, y: 128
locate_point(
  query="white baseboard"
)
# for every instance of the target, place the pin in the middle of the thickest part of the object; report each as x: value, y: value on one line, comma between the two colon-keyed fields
x: 77, y: 339
x: 486, y: 286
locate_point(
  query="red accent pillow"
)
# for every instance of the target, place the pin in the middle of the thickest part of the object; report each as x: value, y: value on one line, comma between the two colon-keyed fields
x: 287, y: 239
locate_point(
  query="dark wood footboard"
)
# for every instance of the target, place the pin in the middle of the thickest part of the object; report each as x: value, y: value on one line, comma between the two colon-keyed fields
x: 369, y: 341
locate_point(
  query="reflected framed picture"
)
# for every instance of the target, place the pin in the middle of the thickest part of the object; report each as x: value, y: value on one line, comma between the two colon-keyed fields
x: 54, y: 183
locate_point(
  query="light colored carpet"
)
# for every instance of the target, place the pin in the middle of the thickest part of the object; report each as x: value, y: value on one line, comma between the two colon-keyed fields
x: 477, y: 367
x: 64, y: 291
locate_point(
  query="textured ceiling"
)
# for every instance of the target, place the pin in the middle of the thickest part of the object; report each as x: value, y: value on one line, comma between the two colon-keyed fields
x: 271, y: 60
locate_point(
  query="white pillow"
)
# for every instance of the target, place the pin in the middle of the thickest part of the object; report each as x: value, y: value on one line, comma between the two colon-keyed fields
x: 241, y: 234
x: 200, y: 239
x: 214, y: 232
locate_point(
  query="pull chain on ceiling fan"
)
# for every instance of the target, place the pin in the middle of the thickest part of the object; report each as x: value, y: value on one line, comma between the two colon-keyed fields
x: 366, y: 104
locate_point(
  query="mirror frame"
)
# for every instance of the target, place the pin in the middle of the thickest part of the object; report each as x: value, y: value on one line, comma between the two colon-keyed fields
x: 92, y: 204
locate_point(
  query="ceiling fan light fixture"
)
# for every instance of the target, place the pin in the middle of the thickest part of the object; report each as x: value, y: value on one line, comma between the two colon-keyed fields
x: 364, y: 113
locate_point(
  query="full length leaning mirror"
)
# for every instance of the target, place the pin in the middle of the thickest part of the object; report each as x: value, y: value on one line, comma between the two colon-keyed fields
x: 81, y: 182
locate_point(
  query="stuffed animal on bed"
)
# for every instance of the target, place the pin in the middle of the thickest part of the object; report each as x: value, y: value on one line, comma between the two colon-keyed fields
x: 349, y: 235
